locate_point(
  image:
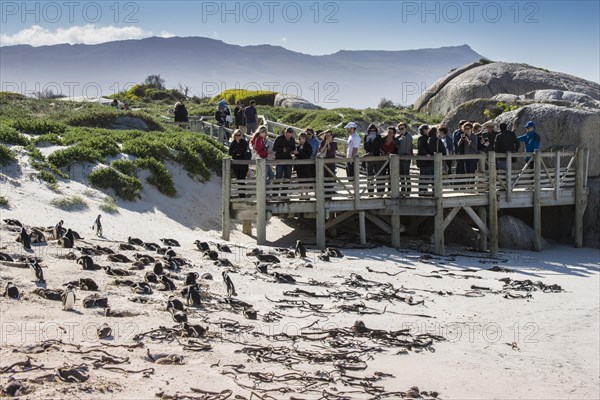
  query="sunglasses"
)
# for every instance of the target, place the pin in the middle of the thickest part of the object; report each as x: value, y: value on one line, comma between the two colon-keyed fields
x: 237, y: 135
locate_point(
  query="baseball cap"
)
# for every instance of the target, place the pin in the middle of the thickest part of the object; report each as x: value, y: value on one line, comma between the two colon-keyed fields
x: 351, y: 125
x: 530, y: 124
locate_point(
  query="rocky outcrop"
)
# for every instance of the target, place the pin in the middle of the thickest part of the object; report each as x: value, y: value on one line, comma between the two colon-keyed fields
x: 125, y: 122
x: 516, y: 234
x: 591, y: 218
x: 283, y: 100
x: 484, y: 81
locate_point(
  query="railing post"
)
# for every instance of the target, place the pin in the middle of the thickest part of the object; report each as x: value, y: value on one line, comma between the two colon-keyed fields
x: 557, y: 175
x: 356, y: 166
x: 225, y: 201
x: 509, y: 177
x: 492, y: 204
x: 579, y: 196
x: 395, y: 193
x: 537, y: 205
x: 261, y: 201
x: 320, y: 204
x: 438, y: 235
x: 362, y: 227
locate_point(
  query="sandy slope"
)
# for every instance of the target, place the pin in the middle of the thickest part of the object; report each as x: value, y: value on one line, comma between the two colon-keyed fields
x: 555, y: 335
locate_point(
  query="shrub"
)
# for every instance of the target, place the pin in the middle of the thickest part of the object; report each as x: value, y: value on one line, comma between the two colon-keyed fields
x: 126, y: 187
x: 192, y: 163
x: 160, y: 175
x: 262, y: 97
x: 52, y: 138
x: 126, y: 167
x: 69, y: 203
x: 47, y: 176
x: 38, y: 126
x: 146, y: 148
x: 6, y: 155
x: 9, y: 135
x: 75, y: 154
x: 11, y: 96
x: 109, y: 205
x: 4, y: 202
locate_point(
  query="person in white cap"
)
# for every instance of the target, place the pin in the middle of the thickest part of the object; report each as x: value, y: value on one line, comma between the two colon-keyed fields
x: 352, y: 146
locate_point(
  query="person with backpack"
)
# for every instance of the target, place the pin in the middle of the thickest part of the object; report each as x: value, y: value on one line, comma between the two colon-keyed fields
x: 505, y: 141
x: 531, y: 139
x: 251, y: 117
x: 261, y: 148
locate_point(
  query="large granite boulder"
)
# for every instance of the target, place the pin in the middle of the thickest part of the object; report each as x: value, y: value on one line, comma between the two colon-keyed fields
x: 591, y: 218
x: 484, y: 81
x: 516, y: 234
x: 284, y: 100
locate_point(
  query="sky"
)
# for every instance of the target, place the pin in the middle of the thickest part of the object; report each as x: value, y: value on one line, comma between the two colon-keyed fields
x: 561, y: 36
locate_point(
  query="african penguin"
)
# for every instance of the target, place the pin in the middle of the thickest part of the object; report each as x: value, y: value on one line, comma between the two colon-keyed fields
x: 97, y: 226
x: 229, y: 285
x: 68, y: 299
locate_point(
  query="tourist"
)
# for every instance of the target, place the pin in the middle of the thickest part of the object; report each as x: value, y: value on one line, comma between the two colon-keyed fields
x: 261, y: 148
x: 328, y: 150
x: 314, y: 142
x: 251, y: 117
x: 531, y: 139
x: 425, y: 166
x: 221, y: 119
x: 239, y: 150
x: 181, y: 113
x: 284, y: 147
x: 115, y: 104
x: 448, y: 146
x: 487, y: 138
x: 238, y: 114
x: 304, y: 152
x: 227, y: 111
x: 456, y: 135
x: 352, y: 146
x: 372, y: 146
x: 477, y: 128
x: 435, y: 142
x: 405, y: 148
x: 506, y: 141
x: 468, y: 145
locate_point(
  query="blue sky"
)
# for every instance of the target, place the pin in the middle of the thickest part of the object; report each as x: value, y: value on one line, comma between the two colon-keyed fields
x: 557, y: 35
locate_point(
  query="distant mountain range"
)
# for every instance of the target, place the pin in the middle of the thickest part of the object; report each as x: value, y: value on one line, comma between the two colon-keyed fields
x: 207, y: 66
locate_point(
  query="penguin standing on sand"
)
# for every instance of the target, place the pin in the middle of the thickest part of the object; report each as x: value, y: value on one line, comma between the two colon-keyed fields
x: 229, y: 285
x: 12, y: 291
x: 97, y: 226
x: 68, y: 299
x: 300, y: 250
x: 68, y: 240
x: 25, y: 239
x: 37, y: 270
x: 193, y: 296
x: 57, y: 230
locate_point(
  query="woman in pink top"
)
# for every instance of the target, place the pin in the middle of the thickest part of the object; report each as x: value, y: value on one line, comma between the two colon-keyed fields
x: 259, y: 143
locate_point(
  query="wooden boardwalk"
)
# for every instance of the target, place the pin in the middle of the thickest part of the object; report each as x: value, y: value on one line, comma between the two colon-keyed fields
x: 555, y: 178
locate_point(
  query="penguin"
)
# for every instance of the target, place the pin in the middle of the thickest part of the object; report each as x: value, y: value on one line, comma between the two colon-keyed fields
x: 12, y: 291
x: 284, y: 278
x: 177, y: 261
x: 68, y: 240
x: 151, y: 277
x: 84, y: 284
x: 158, y: 268
x: 193, y: 296
x: 57, y: 230
x: 170, y: 242
x: 202, y: 246
x: 249, y: 313
x: 168, y: 284
x: 97, y: 226
x: 211, y: 255
x: 174, y: 304
x: 207, y: 276
x: 5, y: 257
x: 126, y: 246
x: 333, y: 252
x: 191, y: 278
x: 13, y: 222
x: 25, y: 239
x: 194, y: 331
x: 116, y: 271
x: 37, y: 270
x: 262, y: 268
x: 104, y: 250
x: 104, y: 332
x: 151, y: 246
x: 324, y: 257
x: 68, y: 299
x: 269, y: 258
x: 123, y: 282
x: 118, y: 258
x: 136, y: 241
x: 37, y: 236
x: 76, y: 374
x: 87, y: 263
x: 254, y: 252
x: 229, y: 285
x: 300, y: 250
x: 141, y: 288
x: 223, y: 247
x: 139, y: 257
x: 179, y: 317
x: 50, y: 294
x: 170, y: 252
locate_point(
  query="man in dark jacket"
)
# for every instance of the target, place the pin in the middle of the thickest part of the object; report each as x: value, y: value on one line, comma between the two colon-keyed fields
x: 456, y: 135
x: 425, y: 166
x: 181, y: 113
x: 372, y: 146
x: 506, y: 141
x: 238, y: 115
x: 251, y: 117
x: 284, y: 147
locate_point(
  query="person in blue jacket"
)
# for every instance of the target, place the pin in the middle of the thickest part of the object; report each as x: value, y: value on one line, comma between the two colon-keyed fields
x: 531, y: 139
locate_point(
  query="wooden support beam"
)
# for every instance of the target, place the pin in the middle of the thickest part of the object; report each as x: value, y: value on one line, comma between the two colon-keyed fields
x: 493, y: 205
x: 320, y: 206
x: 247, y: 227
x: 362, y: 227
x: 509, y: 183
x: 480, y: 224
x: 356, y: 182
x: 450, y: 217
x: 261, y: 201
x: 537, y: 206
x: 483, y: 236
x: 580, y: 200
x: 395, y: 194
x: 438, y: 235
x: 379, y: 222
x: 225, y: 200
x: 412, y: 228
x: 338, y: 219
x: 557, y: 175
